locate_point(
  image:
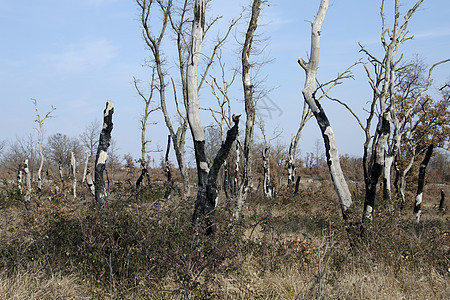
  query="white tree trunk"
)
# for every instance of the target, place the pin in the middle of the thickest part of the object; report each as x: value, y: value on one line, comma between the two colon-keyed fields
x: 85, y: 168
x: 100, y: 160
x: 74, y: 174
x: 267, y: 185
x: 27, y: 198
x: 331, y: 150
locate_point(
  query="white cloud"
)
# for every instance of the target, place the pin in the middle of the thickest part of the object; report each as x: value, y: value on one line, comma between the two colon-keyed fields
x: 84, y: 56
x: 433, y: 33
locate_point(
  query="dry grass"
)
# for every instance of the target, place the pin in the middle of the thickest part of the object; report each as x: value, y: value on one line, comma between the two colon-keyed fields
x: 149, y: 251
x: 37, y: 285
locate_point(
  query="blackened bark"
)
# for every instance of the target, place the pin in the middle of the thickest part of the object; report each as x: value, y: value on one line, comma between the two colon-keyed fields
x: 144, y: 174
x: 421, y: 181
x: 27, y: 198
x: 206, y: 201
x: 297, y: 184
x: 100, y: 160
x: 169, y: 184
x: 376, y: 168
x: 267, y: 185
x: 441, y: 203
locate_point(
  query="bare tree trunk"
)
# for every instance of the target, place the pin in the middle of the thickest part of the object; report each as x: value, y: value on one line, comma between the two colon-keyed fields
x: 169, y: 184
x: 74, y: 174
x: 90, y: 182
x: 27, y: 198
x: 249, y: 111
x: 206, y: 201
x: 236, y: 178
x: 100, y: 160
x: 331, y: 150
x: 297, y: 184
x: 41, y: 153
x: 376, y: 169
x: 61, y: 177
x: 421, y: 181
x: 441, y: 203
x: 20, y: 178
x: 85, y: 168
x: 267, y: 185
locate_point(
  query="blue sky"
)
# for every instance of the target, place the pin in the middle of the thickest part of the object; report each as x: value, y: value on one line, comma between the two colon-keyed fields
x: 75, y: 55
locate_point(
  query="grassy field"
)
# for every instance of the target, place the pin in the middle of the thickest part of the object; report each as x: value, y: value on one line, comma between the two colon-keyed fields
x: 143, y: 247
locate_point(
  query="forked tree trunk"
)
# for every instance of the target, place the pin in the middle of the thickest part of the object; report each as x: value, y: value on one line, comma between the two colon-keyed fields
x: 102, y: 154
x: 421, y: 181
x: 331, y: 150
x: 206, y: 201
x: 74, y: 174
x: 377, y: 166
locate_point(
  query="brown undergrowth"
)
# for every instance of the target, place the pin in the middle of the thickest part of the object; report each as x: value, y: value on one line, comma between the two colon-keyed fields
x: 142, y: 247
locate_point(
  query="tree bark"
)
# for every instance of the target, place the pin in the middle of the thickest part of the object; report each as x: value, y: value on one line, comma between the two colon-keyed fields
x: 267, y: 184
x: 27, y: 198
x: 421, y: 182
x: 169, y: 184
x: 441, y: 203
x: 206, y: 201
x: 377, y: 165
x: 249, y: 111
x: 74, y: 174
x: 308, y: 92
x: 85, y: 168
x: 100, y: 160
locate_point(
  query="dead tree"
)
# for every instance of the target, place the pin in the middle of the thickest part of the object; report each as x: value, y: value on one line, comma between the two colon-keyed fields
x: 441, y: 203
x: 153, y: 41
x: 85, y: 168
x: 207, y: 187
x: 102, y: 154
x: 267, y: 184
x: 248, y: 87
x: 74, y: 174
x: 308, y: 92
x: 421, y: 181
x: 40, y: 132
x: 293, y: 146
x: 169, y: 184
x: 143, y: 122
x: 27, y: 198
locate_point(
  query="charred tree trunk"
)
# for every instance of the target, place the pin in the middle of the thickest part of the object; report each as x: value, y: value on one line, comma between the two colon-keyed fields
x: 377, y: 166
x: 169, y: 184
x: 85, y: 168
x: 102, y: 154
x: 421, y: 181
x: 247, y: 179
x: 441, y: 203
x: 297, y: 184
x: 90, y: 182
x: 308, y: 92
x: 267, y: 185
x: 61, y: 176
x: 27, y: 198
x: 20, y: 178
x: 74, y: 174
x: 206, y: 201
